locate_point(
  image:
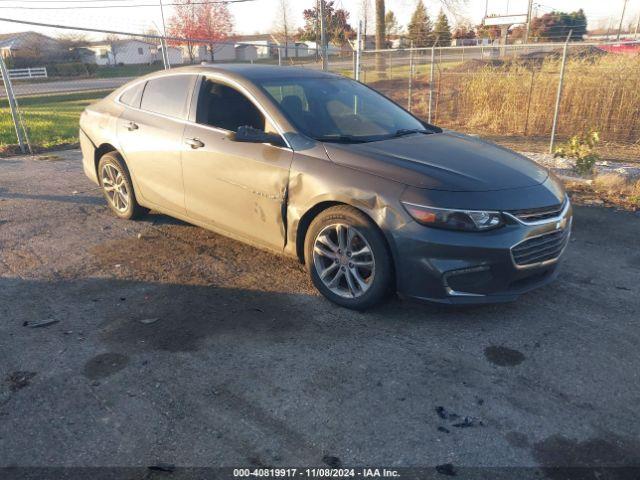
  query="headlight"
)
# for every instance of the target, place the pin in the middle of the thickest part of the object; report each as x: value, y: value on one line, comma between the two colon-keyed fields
x: 466, y: 220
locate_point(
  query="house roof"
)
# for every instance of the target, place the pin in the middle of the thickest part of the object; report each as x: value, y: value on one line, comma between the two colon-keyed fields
x: 20, y: 39
x: 107, y: 43
x: 258, y: 37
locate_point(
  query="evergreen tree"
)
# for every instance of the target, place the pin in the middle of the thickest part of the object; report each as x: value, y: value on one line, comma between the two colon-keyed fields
x: 391, y: 25
x: 442, y: 31
x: 419, y: 28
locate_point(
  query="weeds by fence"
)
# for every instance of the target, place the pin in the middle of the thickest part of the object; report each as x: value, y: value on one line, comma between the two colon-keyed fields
x: 508, y: 94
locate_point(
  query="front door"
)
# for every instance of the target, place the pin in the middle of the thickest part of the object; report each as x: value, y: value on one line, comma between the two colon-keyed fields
x: 239, y: 187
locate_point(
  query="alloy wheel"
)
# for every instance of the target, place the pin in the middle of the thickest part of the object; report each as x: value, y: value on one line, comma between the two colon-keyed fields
x: 344, y: 260
x: 115, y: 187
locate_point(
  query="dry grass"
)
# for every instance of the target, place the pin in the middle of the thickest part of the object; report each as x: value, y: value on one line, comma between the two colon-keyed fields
x: 600, y: 93
x: 609, y: 190
x: 616, y: 185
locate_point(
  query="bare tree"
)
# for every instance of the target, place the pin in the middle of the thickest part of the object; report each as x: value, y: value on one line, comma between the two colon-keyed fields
x: 71, y: 40
x: 365, y: 16
x: 283, y: 25
x: 113, y: 41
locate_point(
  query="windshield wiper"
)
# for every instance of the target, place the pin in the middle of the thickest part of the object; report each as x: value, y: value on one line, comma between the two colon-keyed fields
x: 341, y: 139
x: 408, y: 131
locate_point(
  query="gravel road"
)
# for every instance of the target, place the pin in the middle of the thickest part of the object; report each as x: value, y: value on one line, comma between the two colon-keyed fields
x: 163, y: 342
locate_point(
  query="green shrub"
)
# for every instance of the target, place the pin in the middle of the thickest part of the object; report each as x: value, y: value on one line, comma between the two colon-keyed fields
x: 92, y: 68
x: 581, y: 148
x: 74, y: 69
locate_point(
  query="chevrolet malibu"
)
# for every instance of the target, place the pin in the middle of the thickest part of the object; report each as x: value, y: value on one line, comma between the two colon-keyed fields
x: 326, y: 170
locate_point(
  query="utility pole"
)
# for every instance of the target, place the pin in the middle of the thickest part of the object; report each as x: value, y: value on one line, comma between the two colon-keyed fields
x: 163, y: 43
x: 624, y: 9
x: 635, y: 34
x: 323, y: 36
x: 528, y: 29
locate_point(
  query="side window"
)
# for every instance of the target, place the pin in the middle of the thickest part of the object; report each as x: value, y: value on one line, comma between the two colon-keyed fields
x: 168, y: 95
x: 133, y: 95
x: 224, y: 107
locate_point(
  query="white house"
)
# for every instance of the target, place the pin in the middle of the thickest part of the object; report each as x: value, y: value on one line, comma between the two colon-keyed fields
x: 246, y: 53
x: 216, y: 52
x: 174, y: 54
x: 126, y: 51
x: 266, y: 45
x: 332, y: 48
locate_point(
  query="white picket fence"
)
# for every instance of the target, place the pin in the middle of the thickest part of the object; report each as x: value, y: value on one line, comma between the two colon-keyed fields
x: 24, y: 73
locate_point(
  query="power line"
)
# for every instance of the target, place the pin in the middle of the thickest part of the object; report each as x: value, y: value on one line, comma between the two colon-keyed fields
x: 230, y: 40
x: 68, y: 7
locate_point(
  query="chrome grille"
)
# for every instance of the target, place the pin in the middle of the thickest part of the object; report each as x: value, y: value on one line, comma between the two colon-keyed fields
x: 537, y: 214
x: 540, y: 249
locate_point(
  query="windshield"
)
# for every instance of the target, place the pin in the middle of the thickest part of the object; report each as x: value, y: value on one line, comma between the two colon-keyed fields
x: 340, y: 110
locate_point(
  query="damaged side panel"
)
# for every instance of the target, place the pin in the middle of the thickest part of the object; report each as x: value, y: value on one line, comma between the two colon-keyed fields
x: 316, y: 182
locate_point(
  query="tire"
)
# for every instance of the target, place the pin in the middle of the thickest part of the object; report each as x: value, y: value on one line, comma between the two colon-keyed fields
x: 349, y: 277
x: 117, y: 187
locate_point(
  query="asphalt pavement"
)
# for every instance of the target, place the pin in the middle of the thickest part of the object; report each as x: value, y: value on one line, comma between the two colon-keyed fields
x: 133, y: 343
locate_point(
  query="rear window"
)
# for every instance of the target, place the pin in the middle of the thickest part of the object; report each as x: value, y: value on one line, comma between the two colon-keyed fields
x: 168, y: 95
x: 133, y: 95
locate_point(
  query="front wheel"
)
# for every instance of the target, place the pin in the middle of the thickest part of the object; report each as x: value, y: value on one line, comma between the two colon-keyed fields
x: 347, y: 258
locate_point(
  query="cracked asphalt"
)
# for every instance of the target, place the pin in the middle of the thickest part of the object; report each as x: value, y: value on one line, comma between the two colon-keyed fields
x: 168, y: 343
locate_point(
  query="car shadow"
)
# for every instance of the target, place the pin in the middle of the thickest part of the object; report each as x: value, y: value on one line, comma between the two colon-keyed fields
x: 142, y: 315
x: 77, y: 199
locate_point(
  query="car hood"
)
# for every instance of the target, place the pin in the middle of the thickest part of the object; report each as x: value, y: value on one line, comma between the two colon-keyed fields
x: 441, y: 161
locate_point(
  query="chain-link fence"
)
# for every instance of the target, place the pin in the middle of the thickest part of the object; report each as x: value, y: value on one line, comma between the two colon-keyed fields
x: 508, y: 94
x: 511, y: 94
x: 54, y: 77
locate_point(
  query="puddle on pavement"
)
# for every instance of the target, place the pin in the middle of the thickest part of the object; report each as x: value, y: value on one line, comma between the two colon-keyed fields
x: 104, y: 365
x: 503, y: 356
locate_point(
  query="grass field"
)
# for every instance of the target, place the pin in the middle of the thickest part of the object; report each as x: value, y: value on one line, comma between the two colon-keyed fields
x: 127, y: 70
x: 51, y: 120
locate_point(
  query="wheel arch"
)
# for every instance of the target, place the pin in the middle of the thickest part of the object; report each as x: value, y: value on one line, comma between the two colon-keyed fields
x: 317, y: 209
x: 101, y: 151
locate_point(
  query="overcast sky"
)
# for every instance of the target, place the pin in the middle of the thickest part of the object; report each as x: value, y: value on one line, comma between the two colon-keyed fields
x: 259, y: 15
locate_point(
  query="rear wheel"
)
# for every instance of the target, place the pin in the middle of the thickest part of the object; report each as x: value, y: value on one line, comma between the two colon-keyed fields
x: 347, y: 258
x: 117, y: 187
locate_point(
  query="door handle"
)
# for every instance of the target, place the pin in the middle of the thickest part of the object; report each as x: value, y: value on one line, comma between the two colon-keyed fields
x: 194, y: 143
x: 131, y: 126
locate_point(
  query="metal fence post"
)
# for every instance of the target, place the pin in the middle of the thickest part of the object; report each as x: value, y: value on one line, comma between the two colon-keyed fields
x: 12, y: 104
x: 433, y: 59
x: 410, y: 93
x: 559, y: 95
x: 279, y: 57
x: 358, y: 50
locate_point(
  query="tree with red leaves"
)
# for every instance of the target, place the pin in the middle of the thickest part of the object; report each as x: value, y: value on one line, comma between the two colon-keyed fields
x: 200, y: 24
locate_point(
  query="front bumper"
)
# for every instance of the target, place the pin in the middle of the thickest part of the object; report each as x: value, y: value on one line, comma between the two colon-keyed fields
x: 485, y: 267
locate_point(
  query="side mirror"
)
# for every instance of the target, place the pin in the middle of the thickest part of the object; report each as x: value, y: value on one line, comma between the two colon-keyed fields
x: 249, y: 134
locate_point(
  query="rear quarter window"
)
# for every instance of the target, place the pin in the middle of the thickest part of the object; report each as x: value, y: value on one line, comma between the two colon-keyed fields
x: 168, y: 95
x: 133, y: 95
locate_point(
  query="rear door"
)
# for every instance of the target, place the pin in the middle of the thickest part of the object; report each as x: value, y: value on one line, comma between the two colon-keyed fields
x: 240, y: 187
x: 150, y: 134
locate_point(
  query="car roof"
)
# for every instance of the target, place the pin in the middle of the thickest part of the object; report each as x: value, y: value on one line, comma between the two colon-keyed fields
x: 252, y: 72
